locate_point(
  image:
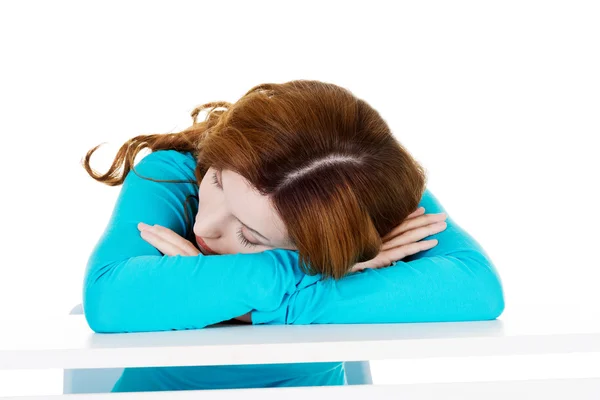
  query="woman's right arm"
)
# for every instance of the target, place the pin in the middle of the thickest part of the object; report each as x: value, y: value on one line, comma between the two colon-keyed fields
x: 129, y: 286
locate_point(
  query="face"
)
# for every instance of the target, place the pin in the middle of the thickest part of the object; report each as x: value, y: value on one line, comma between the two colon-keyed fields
x: 234, y: 218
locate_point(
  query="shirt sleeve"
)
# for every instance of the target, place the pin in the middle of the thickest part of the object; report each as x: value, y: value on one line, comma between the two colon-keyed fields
x: 453, y: 281
x: 129, y: 286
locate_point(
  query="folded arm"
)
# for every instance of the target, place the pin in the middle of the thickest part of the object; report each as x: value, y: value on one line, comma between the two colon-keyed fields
x: 453, y: 281
x: 129, y: 286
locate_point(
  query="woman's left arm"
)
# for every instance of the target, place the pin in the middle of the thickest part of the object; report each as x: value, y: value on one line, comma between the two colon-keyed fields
x: 453, y: 281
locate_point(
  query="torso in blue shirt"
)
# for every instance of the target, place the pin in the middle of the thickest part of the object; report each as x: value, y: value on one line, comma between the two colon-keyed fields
x: 129, y: 286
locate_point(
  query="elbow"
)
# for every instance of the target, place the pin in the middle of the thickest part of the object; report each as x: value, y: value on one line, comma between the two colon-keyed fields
x: 92, y: 310
x: 96, y: 311
x: 97, y: 316
x: 487, y: 298
x: 495, y: 301
x: 101, y: 302
x: 491, y: 290
x: 92, y: 297
x: 94, y: 322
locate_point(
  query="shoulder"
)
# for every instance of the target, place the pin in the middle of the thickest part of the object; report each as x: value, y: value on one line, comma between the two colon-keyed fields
x: 167, y: 164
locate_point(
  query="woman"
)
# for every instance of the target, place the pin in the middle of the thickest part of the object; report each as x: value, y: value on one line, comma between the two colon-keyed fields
x: 309, y: 198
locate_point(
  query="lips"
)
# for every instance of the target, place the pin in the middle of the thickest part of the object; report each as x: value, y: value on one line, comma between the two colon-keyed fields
x: 204, y: 247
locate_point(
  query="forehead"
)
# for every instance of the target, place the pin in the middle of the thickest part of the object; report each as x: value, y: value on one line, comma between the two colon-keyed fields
x: 252, y: 208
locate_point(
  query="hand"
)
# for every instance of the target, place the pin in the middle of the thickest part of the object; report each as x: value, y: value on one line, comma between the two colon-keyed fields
x: 166, y: 241
x: 403, y: 240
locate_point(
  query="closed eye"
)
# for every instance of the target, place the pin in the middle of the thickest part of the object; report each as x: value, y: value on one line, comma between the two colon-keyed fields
x: 240, y: 235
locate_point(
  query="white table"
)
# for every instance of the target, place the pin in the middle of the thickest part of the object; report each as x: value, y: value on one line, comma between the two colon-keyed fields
x: 67, y: 342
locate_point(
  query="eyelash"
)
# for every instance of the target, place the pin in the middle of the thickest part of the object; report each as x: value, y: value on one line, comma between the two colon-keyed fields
x: 240, y: 235
x: 215, y: 180
x: 244, y: 241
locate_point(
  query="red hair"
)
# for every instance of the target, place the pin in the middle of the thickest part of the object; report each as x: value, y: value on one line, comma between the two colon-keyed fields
x: 336, y: 175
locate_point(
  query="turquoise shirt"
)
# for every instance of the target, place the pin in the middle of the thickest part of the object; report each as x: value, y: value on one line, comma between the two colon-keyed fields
x: 129, y: 286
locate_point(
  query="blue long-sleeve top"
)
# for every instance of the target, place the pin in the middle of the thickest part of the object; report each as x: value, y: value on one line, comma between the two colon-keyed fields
x: 129, y: 286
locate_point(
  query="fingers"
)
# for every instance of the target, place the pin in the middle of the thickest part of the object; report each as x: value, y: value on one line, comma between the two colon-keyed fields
x: 162, y: 245
x: 356, y: 267
x: 423, y: 220
x: 167, y: 241
x: 385, y: 258
x: 419, y: 211
x: 406, y: 239
x: 412, y: 223
x: 414, y: 235
x: 177, y: 240
x: 414, y: 248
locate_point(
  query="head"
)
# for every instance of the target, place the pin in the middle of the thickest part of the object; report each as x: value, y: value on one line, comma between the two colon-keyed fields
x: 233, y: 217
x: 304, y: 165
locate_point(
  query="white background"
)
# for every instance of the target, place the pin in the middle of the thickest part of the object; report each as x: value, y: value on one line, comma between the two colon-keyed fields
x: 500, y: 101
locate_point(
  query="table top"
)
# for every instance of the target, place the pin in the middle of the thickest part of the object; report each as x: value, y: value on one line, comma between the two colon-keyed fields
x: 68, y: 342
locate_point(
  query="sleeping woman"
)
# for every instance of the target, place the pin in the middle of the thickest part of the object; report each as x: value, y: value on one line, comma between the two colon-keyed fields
x: 294, y: 205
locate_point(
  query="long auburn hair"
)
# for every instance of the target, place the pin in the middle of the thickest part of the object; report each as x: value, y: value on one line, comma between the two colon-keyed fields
x: 334, y: 172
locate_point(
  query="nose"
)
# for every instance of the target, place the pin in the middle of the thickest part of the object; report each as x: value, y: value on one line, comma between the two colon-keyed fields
x: 209, y: 224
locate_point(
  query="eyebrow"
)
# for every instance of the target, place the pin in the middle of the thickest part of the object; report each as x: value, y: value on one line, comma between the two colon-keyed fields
x: 247, y: 227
